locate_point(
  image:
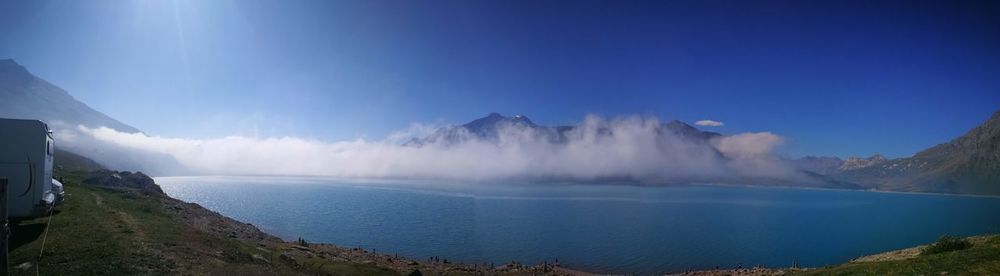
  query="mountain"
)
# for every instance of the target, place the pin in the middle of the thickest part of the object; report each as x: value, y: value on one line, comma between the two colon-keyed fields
x: 486, y: 128
x: 682, y: 129
x: 495, y: 128
x: 24, y: 96
x: 823, y: 165
x: 969, y: 164
x: 65, y: 162
x: 489, y: 124
x: 490, y: 128
x: 856, y: 163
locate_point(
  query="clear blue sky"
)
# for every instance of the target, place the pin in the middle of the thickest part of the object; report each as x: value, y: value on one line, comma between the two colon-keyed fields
x: 833, y: 77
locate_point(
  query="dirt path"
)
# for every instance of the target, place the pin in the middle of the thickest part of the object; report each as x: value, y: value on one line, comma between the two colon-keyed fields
x: 130, y: 225
x: 127, y: 220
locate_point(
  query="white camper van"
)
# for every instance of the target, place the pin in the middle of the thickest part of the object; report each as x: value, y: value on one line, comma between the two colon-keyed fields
x: 26, y: 148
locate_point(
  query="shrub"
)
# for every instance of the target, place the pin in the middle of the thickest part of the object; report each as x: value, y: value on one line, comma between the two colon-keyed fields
x: 945, y: 244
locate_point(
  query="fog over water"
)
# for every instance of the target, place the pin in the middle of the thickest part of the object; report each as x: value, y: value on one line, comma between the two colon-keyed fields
x: 633, y: 148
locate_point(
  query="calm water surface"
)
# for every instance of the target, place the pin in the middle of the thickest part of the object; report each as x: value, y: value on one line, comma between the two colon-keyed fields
x: 600, y: 228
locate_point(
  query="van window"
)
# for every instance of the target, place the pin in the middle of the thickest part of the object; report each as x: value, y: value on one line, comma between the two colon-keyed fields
x: 48, y: 147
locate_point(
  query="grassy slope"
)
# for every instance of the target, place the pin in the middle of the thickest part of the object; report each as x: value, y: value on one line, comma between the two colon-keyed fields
x: 983, y: 258
x: 66, y: 161
x: 101, y: 231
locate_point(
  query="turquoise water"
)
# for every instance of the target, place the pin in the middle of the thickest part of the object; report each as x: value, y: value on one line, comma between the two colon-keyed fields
x: 599, y: 228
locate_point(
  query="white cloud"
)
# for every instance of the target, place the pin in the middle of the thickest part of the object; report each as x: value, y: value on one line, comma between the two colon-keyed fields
x: 748, y: 145
x: 709, y: 123
x: 635, y: 150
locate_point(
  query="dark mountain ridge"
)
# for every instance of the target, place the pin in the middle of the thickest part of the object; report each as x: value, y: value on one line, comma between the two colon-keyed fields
x: 969, y: 164
x: 24, y: 96
x: 489, y: 128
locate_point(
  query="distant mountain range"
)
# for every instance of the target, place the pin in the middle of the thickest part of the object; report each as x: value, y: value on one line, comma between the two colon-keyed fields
x: 25, y: 96
x: 968, y: 164
x: 488, y: 128
x: 491, y: 127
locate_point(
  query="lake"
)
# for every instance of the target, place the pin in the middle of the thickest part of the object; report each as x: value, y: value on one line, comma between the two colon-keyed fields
x: 597, y: 228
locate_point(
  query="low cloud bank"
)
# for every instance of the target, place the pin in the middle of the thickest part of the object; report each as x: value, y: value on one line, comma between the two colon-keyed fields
x: 627, y: 148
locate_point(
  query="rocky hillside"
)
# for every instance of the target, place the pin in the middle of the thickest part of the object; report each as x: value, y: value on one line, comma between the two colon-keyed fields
x: 969, y: 164
x: 824, y: 165
x: 25, y: 96
x: 856, y: 163
x: 65, y: 161
x: 130, y: 180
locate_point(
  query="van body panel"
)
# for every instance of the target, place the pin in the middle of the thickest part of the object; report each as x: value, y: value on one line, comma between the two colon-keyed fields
x: 26, y: 149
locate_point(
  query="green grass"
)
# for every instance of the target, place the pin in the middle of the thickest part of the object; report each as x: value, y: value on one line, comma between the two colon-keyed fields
x: 71, y: 162
x: 981, y: 258
x: 83, y: 238
x: 100, y: 231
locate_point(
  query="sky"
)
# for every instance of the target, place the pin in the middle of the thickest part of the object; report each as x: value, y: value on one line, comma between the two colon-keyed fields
x: 842, y: 78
